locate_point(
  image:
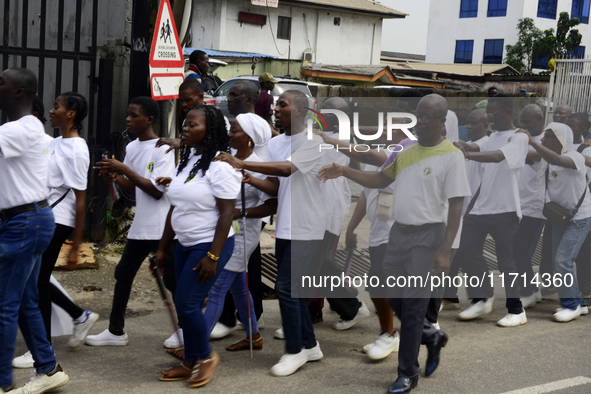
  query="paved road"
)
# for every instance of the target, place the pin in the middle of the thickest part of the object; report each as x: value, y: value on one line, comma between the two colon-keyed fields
x: 479, y: 358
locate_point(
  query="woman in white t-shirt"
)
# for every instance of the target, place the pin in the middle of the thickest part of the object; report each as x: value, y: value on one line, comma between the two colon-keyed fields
x: 567, y: 186
x: 243, y: 131
x: 202, y: 194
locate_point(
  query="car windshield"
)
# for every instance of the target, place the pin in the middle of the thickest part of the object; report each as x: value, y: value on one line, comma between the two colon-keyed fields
x: 283, y: 86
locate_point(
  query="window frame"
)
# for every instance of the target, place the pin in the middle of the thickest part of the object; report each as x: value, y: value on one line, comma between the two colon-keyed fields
x: 497, y: 12
x: 543, y: 13
x: 470, y: 12
x: 582, y: 17
x: 464, y: 51
x: 280, y: 21
x: 494, y: 42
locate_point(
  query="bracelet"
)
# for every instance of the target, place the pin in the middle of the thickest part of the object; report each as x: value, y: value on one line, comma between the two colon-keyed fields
x: 213, y: 256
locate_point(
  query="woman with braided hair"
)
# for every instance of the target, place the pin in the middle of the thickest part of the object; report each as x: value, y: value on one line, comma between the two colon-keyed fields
x: 202, y: 194
x: 67, y: 179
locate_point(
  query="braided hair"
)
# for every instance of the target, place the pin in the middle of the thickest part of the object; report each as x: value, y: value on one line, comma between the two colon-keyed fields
x: 77, y: 103
x: 216, y: 140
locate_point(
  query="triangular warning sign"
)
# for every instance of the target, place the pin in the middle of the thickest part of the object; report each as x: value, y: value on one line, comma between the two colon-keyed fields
x: 166, y: 47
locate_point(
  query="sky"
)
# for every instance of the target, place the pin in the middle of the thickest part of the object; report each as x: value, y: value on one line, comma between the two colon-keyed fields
x: 408, y: 35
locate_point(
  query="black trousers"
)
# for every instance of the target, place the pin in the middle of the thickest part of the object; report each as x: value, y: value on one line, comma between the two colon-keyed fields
x: 134, y: 254
x: 524, y: 238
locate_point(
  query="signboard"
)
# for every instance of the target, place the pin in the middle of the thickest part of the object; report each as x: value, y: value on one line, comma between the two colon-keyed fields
x: 266, y: 3
x: 166, y: 59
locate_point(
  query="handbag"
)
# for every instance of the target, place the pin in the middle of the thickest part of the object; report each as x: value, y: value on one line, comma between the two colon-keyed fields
x: 558, y: 214
x: 384, y: 206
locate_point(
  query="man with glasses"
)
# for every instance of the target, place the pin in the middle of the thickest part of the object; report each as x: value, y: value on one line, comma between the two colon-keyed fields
x: 496, y: 211
x: 264, y: 106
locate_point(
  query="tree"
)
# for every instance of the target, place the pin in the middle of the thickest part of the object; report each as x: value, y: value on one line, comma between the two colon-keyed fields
x: 561, y: 44
x: 520, y: 55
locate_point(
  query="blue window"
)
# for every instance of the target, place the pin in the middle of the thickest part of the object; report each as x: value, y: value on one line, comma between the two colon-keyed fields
x: 547, y: 9
x: 469, y: 9
x: 541, y: 63
x: 580, y: 10
x: 464, y: 50
x: 578, y: 53
x: 497, y: 8
x: 493, y: 52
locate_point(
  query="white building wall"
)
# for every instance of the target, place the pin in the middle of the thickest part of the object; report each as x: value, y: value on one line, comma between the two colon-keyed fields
x: 357, y: 40
x: 446, y: 26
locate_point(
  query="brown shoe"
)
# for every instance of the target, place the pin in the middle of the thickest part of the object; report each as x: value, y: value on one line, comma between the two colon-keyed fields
x: 180, y: 372
x: 244, y: 344
x: 203, y: 371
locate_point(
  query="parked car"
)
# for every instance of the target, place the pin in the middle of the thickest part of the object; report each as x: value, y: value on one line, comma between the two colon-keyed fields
x: 221, y: 100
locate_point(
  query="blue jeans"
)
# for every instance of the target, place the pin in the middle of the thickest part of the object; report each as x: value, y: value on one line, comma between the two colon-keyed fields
x: 566, y: 243
x: 190, y: 295
x: 297, y: 323
x: 235, y: 282
x: 23, y: 239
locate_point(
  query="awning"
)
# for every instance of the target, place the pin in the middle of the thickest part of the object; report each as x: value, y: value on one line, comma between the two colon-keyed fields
x: 214, y: 53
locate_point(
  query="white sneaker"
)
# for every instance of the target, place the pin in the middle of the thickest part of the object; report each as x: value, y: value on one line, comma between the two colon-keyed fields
x: 478, y: 309
x: 289, y: 363
x: 24, y: 361
x: 512, y: 320
x: 42, y: 383
x: 314, y: 354
x: 565, y: 314
x: 279, y: 334
x: 105, y: 338
x: 584, y: 310
x: 81, y: 329
x: 362, y: 313
x: 261, y: 322
x: 436, y: 325
x: 175, y: 340
x: 383, y: 346
x: 529, y: 301
x: 221, y: 330
x: 367, y: 347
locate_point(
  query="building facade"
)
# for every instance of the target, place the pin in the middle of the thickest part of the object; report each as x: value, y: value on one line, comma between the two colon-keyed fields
x: 477, y: 31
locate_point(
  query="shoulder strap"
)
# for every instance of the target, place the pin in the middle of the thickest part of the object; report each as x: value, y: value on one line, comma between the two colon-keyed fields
x: 582, y: 147
x: 60, y: 199
x: 582, y: 197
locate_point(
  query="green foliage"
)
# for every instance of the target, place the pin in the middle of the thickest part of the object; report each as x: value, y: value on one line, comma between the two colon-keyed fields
x: 533, y: 45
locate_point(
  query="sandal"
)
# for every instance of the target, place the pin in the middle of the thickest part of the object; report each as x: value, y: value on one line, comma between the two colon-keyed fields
x: 244, y: 344
x: 203, y: 371
x: 180, y: 372
x: 179, y: 352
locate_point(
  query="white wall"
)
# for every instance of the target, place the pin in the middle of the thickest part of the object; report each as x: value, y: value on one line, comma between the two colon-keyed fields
x: 446, y: 26
x: 216, y: 26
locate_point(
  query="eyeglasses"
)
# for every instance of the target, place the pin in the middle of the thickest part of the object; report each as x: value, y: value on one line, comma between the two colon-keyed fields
x: 491, y: 114
x: 424, y: 118
x: 232, y: 97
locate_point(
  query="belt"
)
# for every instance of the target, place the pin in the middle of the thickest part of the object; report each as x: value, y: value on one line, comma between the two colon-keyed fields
x: 409, y: 229
x: 9, y: 213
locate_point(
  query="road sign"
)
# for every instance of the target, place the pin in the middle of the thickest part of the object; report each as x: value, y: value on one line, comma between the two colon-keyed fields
x: 166, y: 60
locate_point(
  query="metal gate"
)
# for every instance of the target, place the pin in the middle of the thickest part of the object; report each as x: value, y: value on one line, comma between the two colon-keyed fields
x: 570, y: 84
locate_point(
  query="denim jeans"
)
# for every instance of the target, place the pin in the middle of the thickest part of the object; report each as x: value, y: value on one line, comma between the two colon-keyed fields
x: 23, y: 239
x: 235, y: 282
x: 297, y: 323
x: 566, y: 243
x: 191, y: 293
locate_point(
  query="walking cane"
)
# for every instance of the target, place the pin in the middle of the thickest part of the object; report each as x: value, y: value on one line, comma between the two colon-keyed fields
x: 164, y: 295
x: 243, y: 215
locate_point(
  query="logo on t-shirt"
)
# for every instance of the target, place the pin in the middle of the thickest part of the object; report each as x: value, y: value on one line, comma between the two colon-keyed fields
x: 427, y: 171
x: 554, y: 174
x: 151, y: 166
x: 509, y: 139
x: 190, y: 178
x: 52, y: 153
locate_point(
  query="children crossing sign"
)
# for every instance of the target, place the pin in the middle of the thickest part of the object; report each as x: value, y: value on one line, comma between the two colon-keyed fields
x: 166, y: 60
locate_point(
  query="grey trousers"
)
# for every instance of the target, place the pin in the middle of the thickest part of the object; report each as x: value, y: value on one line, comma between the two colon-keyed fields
x: 412, y: 255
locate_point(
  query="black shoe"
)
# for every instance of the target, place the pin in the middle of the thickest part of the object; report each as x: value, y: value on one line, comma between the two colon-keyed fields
x: 404, y: 385
x: 434, y: 352
x: 316, y: 317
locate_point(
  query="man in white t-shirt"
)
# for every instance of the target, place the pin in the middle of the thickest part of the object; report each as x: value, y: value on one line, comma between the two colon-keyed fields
x: 143, y: 163
x: 532, y: 194
x: 301, y: 217
x: 26, y: 229
x: 430, y: 186
x: 496, y: 211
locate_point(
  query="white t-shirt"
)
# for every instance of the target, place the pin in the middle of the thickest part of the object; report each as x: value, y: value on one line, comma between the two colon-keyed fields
x: 566, y: 186
x: 499, y: 192
x: 23, y: 162
x: 336, y: 193
x: 68, y: 169
x: 451, y: 127
x: 425, y: 179
x: 196, y: 214
x: 300, y: 211
x: 254, y: 198
x: 474, y: 171
x: 532, y: 187
x: 585, y: 152
x: 149, y: 162
x: 379, y: 229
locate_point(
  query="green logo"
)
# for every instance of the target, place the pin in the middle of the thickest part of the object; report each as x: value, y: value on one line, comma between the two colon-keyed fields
x: 427, y: 171
x: 151, y: 167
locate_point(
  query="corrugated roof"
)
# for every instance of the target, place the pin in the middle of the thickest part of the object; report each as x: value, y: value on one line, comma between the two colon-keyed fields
x: 363, y: 6
x: 453, y: 68
x: 214, y: 53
